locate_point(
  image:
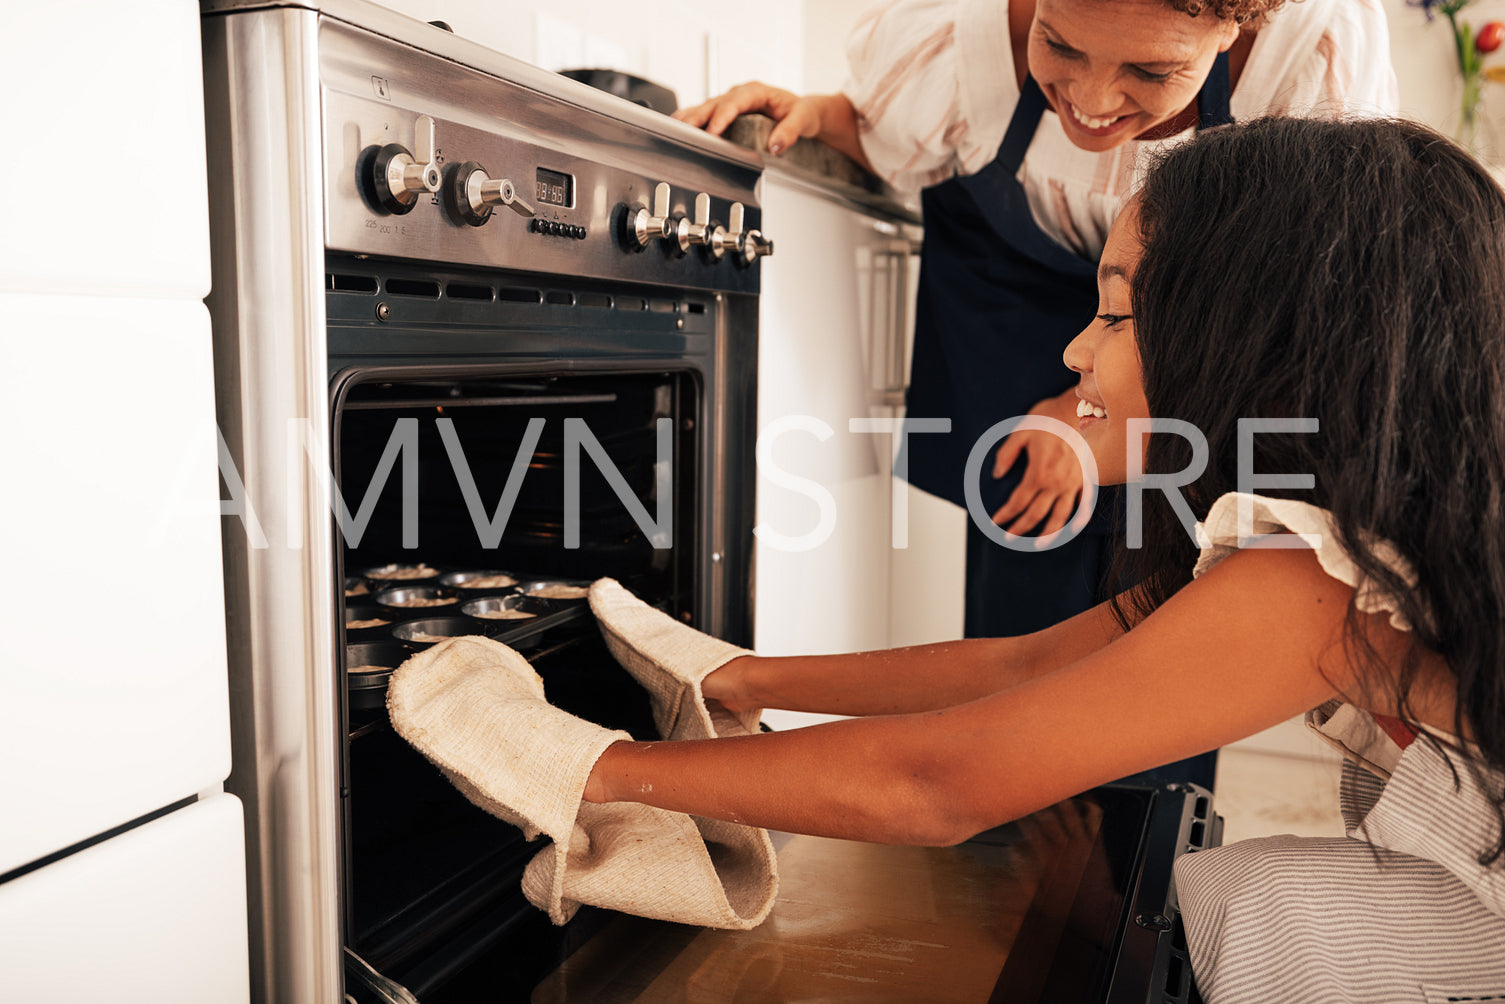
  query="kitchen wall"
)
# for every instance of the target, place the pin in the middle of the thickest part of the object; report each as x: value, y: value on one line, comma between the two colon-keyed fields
x: 1427, y: 69
x: 695, y: 48
x: 827, y: 24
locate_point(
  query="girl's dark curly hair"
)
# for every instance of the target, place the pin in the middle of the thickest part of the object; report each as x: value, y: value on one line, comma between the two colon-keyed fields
x: 1353, y: 272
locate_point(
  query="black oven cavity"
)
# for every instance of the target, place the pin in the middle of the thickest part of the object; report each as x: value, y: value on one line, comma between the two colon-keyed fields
x: 497, y: 446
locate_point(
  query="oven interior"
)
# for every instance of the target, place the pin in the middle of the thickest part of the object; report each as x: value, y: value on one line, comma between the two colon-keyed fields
x: 430, y: 881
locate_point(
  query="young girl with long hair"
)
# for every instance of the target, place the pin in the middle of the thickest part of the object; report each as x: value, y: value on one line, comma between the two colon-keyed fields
x: 1320, y: 306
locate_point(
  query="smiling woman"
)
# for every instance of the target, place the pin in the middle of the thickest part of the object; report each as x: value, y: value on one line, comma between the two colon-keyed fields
x: 1134, y: 75
x: 1022, y: 123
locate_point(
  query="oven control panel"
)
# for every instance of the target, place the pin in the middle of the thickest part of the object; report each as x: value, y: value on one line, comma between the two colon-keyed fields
x: 443, y: 163
x: 744, y: 244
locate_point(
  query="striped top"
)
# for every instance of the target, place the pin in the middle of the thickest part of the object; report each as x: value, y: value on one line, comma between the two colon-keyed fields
x: 934, y: 87
x: 1398, y: 910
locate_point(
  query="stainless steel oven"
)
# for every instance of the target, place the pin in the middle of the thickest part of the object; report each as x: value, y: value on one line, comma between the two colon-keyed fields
x: 483, y: 334
x: 471, y: 320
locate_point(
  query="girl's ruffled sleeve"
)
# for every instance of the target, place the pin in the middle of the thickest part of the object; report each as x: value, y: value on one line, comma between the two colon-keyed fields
x: 1241, y: 520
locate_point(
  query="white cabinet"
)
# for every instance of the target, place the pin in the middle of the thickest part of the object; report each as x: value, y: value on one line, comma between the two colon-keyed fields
x: 156, y: 915
x: 834, y: 333
x: 113, y: 683
x: 106, y: 189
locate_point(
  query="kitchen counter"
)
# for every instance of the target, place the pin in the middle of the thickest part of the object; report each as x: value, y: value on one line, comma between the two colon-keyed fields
x: 814, y: 162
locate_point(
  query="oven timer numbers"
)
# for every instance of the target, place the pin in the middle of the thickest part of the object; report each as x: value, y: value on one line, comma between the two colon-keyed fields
x: 555, y: 188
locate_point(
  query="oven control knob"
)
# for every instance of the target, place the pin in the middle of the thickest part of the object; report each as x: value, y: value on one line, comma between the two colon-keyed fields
x: 394, y: 177
x: 723, y: 239
x: 701, y: 232
x: 755, y: 246
x: 470, y: 194
x: 749, y: 245
x: 643, y: 226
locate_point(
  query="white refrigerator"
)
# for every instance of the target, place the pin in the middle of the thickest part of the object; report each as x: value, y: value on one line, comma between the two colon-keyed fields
x: 122, y: 868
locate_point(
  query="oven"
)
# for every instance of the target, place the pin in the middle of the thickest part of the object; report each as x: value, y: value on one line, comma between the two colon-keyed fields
x: 474, y: 324
x: 482, y: 335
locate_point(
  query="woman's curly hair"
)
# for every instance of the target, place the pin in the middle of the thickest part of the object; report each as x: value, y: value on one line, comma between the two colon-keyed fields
x: 1241, y: 11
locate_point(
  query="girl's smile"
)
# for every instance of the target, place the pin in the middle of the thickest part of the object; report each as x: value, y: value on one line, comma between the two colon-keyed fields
x: 1106, y: 354
x: 1087, y: 412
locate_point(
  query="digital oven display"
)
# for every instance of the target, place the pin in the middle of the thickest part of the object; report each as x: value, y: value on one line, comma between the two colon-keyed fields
x: 556, y: 189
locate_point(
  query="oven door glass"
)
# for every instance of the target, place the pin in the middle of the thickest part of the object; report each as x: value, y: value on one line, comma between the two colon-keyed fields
x: 465, y: 489
x: 1031, y: 911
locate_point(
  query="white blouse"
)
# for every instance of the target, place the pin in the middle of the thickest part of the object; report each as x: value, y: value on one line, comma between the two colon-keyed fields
x: 1398, y: 909
x: 934, y: 88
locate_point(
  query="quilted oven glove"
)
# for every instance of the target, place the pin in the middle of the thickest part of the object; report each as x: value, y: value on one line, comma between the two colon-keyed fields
x: 670, y: 660
x: 476, y: 709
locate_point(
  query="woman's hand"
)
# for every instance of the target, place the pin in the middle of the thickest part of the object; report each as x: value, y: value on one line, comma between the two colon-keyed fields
x: 1047, y: 495
x: 829, y: 118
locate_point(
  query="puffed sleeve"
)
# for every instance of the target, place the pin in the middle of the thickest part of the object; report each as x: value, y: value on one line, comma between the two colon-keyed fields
x: 1238, y: 519
x: 1322, y: 59
x: 903, y: 83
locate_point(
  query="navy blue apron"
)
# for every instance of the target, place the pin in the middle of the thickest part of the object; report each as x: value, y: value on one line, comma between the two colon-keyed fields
x: 999, y: 300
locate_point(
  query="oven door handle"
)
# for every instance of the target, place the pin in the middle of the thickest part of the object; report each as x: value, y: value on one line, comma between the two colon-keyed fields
x: 359, y: 972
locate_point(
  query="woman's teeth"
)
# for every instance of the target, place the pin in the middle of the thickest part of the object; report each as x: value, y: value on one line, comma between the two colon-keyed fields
x: 1085, y: 408
x: 1089, y: 121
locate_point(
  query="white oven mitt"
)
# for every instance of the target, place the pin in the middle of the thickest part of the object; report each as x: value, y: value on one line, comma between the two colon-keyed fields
x: 476, y: 709
x: 670, y: 660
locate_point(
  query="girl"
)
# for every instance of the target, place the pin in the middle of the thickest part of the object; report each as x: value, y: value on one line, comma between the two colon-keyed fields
x: 1351, y: 273
x: 1344, y: 279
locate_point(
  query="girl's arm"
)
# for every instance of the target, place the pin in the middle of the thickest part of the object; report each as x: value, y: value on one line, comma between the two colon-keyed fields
x: 922, y: 678
x: 1253, y: 642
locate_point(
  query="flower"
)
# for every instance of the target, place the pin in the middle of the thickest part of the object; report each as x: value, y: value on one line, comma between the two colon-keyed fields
x: 1448, y: 7
x: 1470, y: 63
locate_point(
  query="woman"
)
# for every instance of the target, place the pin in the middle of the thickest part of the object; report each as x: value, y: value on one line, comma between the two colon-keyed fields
x: 1022, y: 121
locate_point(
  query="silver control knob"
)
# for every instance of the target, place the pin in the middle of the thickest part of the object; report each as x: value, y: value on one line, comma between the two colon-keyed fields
x: 755, y: 246
x: 409, y: 174
x: 747, y: 245
x: 393, y: 177
x: 724, y: 239
x: 643, y: 226
x: 483, y: 191
x: 471, y: 194
x: 701, y: 231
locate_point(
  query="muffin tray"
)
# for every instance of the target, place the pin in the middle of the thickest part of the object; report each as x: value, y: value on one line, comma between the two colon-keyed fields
x: 402, y: 609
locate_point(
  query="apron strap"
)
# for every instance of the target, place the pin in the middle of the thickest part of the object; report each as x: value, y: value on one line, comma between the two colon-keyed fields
x: 1022, y: 125
x: 1212, y: 99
